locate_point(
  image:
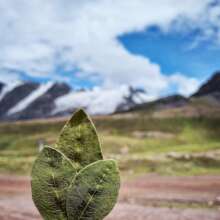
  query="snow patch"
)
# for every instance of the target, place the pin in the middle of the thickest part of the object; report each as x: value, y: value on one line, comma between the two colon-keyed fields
x: 8, y: 88
x: 23, y: 104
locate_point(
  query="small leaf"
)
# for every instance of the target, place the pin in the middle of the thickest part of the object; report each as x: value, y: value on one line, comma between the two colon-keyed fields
x: 94, y: 191
x: 52, y: 174
x: 79, y: 141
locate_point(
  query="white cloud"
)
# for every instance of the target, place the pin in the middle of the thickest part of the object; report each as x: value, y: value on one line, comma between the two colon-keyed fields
x: 97, y: 101
x: 41, y: 34
x: 186, y: 86
x: 9, y: 77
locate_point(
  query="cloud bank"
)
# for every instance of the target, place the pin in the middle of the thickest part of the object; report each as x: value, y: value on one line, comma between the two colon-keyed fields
x: 38, y: 37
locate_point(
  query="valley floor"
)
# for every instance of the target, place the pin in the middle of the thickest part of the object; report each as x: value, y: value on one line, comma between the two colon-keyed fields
x: 148, y: 197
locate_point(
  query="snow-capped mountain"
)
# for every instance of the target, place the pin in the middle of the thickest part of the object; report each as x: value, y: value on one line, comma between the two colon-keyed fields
x: 29, y: 100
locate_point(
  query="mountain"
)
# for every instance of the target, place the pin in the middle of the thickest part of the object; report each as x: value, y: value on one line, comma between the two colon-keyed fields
x: 210, y: 88
x: 132, y: 99
x: 209, y: 92
x: 174, y: 101
x: 30, y: 100
x: 12, y: 97
x: 1, y: 86
x: 205, y: 102
x: 43, y: 104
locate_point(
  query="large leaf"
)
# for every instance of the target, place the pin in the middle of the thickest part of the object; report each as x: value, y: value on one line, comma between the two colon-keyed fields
x: 52, y: 174
x: 79, y: 141
x: 94, y: 192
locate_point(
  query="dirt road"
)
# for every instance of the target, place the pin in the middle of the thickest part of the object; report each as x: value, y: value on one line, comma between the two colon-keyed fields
x: 150, y: 197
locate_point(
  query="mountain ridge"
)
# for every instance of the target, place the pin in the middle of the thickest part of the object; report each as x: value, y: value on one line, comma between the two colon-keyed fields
x: 31, y: 100
x: 205, y: 101
x: 212, y: 86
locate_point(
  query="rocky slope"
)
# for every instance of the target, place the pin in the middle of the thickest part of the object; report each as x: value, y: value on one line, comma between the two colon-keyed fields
x: 169, y: 102
x: 13, y: 97
x: 1, y: 86
x: 204, y: 102
x: 211, y: 87
x: 43, y: 105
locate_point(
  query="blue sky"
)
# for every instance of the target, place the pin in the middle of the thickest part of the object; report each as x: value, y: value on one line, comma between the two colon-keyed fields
x: 163, y: 46
x: 174, y: 51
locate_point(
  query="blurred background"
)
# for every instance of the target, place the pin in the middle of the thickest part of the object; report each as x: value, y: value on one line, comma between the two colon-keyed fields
x: 149, y: 74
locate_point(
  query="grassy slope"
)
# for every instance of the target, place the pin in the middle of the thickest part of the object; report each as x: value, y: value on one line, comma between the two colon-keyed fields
x: 141, y: 144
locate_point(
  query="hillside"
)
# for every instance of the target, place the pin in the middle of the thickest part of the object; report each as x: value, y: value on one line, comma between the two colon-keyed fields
x: 212, y: 87
x: 205, y: 102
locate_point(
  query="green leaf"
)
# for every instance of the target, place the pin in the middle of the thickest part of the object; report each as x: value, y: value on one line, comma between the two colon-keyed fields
x: 79, y: 141
x: 94, y: 191
x: 72, y: 181
x: 52, y: 174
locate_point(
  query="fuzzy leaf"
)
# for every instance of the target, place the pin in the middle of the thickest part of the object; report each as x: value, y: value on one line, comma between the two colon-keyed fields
x: 79, y: 141
x: 94, y: 191
x: 52, y: 174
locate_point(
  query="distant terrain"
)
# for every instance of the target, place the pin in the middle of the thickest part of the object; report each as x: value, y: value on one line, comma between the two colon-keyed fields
x: 205, y: 102
x: 29, y: 100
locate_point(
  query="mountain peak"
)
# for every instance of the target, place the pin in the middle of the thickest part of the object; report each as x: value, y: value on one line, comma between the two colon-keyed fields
x: 210, y: 87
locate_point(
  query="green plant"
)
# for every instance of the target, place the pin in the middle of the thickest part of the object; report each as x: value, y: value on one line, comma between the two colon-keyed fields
x: 71, y: 180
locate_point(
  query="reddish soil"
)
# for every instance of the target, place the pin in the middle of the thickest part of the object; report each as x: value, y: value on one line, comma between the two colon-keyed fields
x: 150, y: 197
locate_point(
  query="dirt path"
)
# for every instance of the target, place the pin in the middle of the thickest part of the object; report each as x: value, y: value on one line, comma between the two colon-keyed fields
x: 147, y: 198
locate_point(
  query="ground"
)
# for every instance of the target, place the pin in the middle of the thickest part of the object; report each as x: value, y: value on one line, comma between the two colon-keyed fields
x: 149, y: 197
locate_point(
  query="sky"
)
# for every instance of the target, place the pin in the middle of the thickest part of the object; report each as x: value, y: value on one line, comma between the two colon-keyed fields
x: 162, y: 46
